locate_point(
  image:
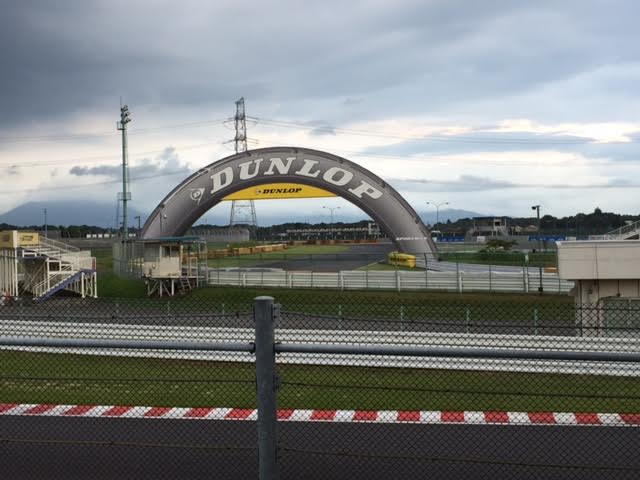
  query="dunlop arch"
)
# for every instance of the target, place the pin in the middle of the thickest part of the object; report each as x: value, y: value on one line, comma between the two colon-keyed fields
x: 206, y: 188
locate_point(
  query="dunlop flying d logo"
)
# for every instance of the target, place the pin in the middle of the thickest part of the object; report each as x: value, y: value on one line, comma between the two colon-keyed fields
x: 196, y: 194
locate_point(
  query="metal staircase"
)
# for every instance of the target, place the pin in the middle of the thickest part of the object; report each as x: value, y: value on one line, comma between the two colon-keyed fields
x: 52, y: 266
x: 626, y: 232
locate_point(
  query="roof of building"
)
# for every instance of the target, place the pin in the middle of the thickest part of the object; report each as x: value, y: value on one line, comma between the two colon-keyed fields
x: 173, y: 240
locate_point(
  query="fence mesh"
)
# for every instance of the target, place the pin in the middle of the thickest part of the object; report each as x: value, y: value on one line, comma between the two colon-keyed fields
x: 101, y: 413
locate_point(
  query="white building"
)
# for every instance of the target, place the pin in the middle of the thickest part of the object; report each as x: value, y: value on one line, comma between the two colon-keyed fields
x: 607, y: 276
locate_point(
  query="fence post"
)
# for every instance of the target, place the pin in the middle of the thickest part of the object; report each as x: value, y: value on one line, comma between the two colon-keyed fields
x: 459, y: 277
x: 426, y: 273
x: 266, y: 386
x: 490, y: 280
x: 398, y: 287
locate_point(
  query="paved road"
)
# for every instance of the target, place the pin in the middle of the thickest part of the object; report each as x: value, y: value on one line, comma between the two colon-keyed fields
x: 81, y: 448
x: 355, y: 257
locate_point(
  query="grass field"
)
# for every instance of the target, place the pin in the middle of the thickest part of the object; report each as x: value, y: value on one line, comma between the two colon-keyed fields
x: 112, y: 286
x: 542, y: 259
x: 257, y: 259
x: 27, y: 377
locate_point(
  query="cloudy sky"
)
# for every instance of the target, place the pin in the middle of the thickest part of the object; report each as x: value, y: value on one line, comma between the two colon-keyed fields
x: 491, y: 106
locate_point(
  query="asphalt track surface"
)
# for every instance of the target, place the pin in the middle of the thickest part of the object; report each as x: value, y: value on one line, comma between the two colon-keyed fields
x: 359, y: 256
x: 106, y: 448
x: 355, y: 257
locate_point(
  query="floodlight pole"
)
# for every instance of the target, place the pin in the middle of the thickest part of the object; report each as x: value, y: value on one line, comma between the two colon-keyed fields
x: 122, y: 126
x: 537, y: 209
x: 437, y: 205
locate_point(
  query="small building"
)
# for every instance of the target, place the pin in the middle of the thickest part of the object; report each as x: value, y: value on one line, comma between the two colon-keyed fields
x: 173, y: 265
x: 489, y: 227
x: 606, y: 275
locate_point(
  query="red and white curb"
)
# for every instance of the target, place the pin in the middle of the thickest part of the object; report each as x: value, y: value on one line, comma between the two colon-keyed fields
x: 337, y: 416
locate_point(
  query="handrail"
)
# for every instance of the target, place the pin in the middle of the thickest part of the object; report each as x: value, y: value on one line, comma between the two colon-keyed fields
x: 618, y: 232
x: 47, y: 242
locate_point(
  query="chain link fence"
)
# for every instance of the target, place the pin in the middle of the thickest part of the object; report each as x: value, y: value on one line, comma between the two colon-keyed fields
x: 402, y: 385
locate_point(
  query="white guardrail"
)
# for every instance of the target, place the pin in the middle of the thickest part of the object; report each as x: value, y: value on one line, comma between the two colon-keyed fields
x: 525, y: 282
x: 53, y: 329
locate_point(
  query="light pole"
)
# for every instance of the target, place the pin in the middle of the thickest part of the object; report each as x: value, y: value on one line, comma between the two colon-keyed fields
x: 137, y: 217
x: 331, y: 209
x: 537, y: 209
x: 437, y: 205
x: 163, y: 216
x: 45, y: 223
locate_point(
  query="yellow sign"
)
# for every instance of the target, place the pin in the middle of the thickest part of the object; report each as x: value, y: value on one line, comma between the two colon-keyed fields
x: 28, y: 239
x: 270, y: 191
x: 8, y: 239
x: 15, y: 239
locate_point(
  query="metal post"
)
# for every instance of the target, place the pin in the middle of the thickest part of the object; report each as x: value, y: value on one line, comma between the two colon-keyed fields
x: 537, y: 209
x: 426, y: 272
x: 266, y: 386
x: 490, y: 280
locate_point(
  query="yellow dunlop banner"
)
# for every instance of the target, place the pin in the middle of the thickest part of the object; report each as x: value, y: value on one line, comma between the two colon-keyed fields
x: 270, y: 191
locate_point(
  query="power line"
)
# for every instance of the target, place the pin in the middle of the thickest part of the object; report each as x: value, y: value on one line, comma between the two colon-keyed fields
x: 106, y: 157
x: 306, y: 126
x: 94, y: 184
x: 449, y: 161
x: 55, y: 137
x: 439, y: 138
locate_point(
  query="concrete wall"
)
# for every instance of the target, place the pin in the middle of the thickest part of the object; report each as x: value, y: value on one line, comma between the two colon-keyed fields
x: 599, y: 260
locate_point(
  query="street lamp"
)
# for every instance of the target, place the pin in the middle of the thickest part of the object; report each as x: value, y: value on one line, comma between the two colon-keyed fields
x: 163, y: 216
x: 45, y: 223
x: 331, y: 209
x: 437, y: 205
x: 537, y: 209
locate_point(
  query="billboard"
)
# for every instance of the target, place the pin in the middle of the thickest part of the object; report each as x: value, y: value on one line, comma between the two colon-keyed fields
x: 272, y: 191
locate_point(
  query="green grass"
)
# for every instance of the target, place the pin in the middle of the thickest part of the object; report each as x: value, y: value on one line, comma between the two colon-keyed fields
x: 292, y: 253
x: 543, y: 259
x: 27, y: 377
x: 112, y: 286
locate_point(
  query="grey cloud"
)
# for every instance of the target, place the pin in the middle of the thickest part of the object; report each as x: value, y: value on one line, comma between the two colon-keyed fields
x: 487, y: 141
x: 406, y: 57
x: 319, y: 131
x: 473, y: 183
x: 12, y: 170
x: 167, y: 162
x: 350, y: 101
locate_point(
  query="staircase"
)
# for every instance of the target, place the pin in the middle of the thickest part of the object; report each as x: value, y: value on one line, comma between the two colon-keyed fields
x: 626, y: 232
x: 52, y: 266
x: 184, y: 285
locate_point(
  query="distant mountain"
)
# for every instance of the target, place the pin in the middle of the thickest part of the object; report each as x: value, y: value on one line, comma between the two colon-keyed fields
x: 102, y: 215
x: 66, y: 213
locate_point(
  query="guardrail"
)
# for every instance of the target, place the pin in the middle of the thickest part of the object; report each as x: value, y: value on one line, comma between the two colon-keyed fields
x: 269, y: 349
x: 104, y: 332
x: 525, y: 282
